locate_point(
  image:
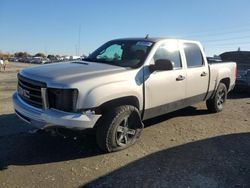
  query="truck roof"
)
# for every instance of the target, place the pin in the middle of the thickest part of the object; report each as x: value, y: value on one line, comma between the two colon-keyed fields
x: 143, y: 39
x: 153, y: 39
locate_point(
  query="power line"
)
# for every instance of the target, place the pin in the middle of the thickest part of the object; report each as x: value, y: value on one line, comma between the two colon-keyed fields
x: 225, y: 30
x: 226, y: 39
x: 228, y: 45
x: 219, y: 33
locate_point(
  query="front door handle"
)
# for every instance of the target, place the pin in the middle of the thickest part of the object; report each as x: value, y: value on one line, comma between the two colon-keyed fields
x: 180, y: 78
x: 203, y: 74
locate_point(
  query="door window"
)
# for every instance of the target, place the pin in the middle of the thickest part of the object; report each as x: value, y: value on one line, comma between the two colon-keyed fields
x: 170, y: 51
x: 193, y: 55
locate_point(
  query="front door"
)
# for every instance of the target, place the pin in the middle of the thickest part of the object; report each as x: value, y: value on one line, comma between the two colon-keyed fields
x: 165, y: 90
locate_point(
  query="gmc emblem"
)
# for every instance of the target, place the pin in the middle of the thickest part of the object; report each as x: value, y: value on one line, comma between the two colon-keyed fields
x: 23, y: 92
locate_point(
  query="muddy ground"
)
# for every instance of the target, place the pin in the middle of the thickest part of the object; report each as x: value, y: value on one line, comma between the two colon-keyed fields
x: 187, y: 148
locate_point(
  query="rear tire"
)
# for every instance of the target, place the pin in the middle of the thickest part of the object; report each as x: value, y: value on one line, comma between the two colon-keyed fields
x: 217, y: 102
x: 119, y: 128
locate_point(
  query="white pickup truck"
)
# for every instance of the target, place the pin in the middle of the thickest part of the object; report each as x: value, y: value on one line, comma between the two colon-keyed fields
x: 119, y: 85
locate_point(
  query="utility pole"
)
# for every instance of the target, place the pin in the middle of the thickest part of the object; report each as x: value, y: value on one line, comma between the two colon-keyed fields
x: 45, y: 50
x: 79, y: 40
x: 76, y: 49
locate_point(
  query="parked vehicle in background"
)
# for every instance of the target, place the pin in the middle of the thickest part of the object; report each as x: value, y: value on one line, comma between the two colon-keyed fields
x: 45, y: 60
x: 248, y: 80
x: 75, y: 57
x: 214, y: 60
x: 59, y: 58
x: 13, y: 59
x: 242, y: 58
x: 37, y: 60
x: 119, y: 85
x: 66, y: 58
x: 54, y: 58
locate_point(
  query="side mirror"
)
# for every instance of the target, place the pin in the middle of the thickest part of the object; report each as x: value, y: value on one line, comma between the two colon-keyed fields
x: 162, y: 65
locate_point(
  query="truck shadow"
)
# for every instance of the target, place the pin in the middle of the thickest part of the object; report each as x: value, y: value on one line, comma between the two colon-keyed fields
x: 20, y: 147
x: 221, y: 161
x: 188, y: 111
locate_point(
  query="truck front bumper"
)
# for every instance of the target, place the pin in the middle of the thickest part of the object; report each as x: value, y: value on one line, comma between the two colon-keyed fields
x: 41, y: 118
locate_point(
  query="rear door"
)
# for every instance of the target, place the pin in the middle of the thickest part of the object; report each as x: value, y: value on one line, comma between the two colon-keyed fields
x: 197, y: 73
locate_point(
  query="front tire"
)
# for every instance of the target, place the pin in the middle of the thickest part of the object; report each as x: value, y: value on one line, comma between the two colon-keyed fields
x: 119, y: 128
x: 217, y: 102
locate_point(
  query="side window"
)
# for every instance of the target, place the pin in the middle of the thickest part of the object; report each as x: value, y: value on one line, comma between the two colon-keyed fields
x: 112, y: 53
x: 170, y: 51
x: 193, y: 55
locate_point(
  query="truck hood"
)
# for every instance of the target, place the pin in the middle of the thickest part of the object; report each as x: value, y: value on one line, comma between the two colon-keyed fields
x: 69, y: 72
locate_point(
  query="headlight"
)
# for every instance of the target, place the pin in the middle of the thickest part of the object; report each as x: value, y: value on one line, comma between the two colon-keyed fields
x: 63, y: 99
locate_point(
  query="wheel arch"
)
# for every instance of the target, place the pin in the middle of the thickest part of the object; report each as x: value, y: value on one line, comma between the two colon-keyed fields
x: 226, y: 81
x: 128, y: 100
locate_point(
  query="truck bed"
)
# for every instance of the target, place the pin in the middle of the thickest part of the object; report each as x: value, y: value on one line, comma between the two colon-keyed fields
x: 219, y: 71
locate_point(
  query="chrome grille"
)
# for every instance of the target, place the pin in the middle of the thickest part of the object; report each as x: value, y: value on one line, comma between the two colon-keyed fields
x: 30, y: 91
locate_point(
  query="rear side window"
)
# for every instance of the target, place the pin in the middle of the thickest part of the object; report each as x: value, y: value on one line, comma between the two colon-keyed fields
x: 170, y: 51
x: 193, y: 55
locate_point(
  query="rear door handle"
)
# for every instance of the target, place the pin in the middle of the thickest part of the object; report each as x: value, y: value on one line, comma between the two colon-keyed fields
x: 203, y: 74
x: 180, y: 78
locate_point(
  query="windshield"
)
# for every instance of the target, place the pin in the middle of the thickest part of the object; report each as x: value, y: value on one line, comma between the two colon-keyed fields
x: 125, y: 53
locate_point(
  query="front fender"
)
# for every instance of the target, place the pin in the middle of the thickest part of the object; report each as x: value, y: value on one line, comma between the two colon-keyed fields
x: 110, y: 91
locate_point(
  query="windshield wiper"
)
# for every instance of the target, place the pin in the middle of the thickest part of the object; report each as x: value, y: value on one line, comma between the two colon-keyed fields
x: 88, y: 59
x: 109, y: 62
x: 102, y: 61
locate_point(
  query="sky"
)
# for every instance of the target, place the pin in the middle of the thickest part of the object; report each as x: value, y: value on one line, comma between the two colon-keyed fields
x: 79, y: 27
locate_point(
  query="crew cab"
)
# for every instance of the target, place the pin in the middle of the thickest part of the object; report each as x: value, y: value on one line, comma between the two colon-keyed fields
x: 119, y: 85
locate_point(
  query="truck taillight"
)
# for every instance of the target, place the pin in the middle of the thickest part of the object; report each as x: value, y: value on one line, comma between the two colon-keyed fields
x: 236, y: 72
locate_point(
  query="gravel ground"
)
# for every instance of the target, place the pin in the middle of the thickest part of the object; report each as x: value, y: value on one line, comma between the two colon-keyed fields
x: 187, y: 148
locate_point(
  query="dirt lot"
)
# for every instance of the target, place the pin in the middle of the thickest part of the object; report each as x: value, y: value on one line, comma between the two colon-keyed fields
x: 187, y: 148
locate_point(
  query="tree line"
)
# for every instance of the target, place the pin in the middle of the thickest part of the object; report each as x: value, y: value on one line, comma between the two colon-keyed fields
x: 25, y: 55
